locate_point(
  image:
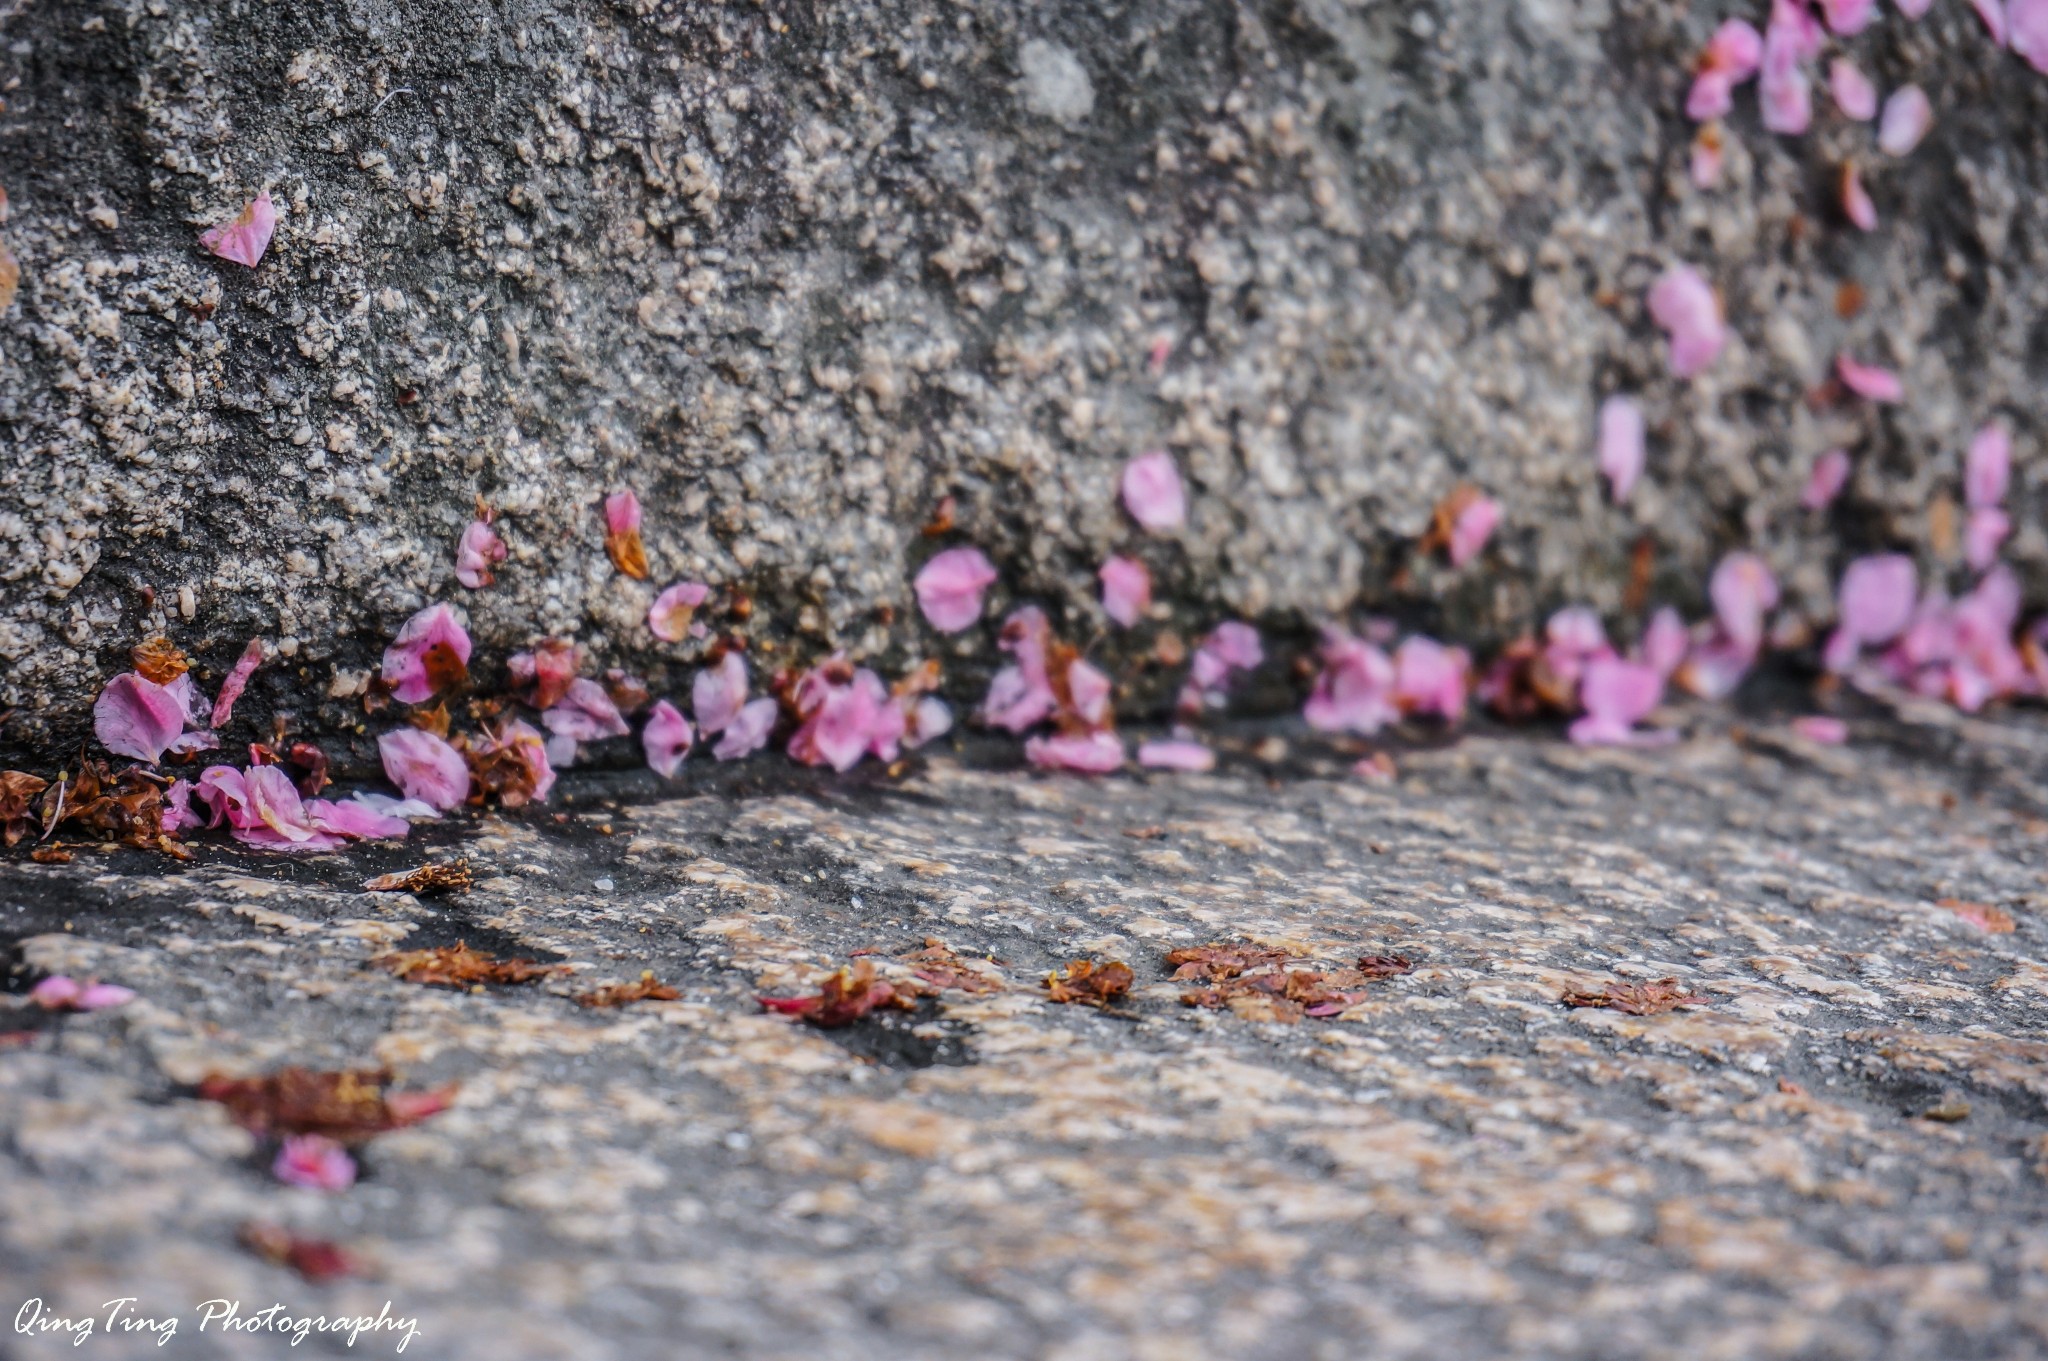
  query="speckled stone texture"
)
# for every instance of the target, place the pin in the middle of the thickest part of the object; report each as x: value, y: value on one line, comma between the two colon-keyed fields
x: 797, y: 272
x: 1456, y: 1166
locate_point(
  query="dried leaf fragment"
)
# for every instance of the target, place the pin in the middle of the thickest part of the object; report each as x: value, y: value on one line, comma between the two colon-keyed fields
x: 1223, y: 960
x: 316, y: 1259
x: 844, y: 998
x: 644, y: 989
x: 18, y: 790
x: 159, y: 661
x: 1637, y: 999
x: 458, y: 966
x: 1995, y: 920
x: 1385, y: 966
x: 937, y: 965
x: 454, y: 877
x: 348, y: 1106
x: 1090, y: 984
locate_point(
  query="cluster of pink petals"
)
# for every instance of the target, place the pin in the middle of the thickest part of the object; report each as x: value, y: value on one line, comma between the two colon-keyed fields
x: 1354, y: 692
x: 1853, y: 93
x: 1731, y: 57
x: 1126, y: 590
x: 61, y: 993
x: 1868, y: 380
x: 1906, y: 118
x: 718, y: 696
x: 1233, y: 646
x: 1963, y: 651
x: 1471, y: 527
x: 950, y: 586
x: 1830, y: 474
x: 247, y: 237
x: 586, y: 713
x: 1153, y: 493
x: 671, y: 616
x: 845, y: 713
x: 262, y: 807
x: 425, y: 767
x: 1021, y: 695
x: 1621, y: 445
x: 1683, y: 304
x: 1618, y: 694
x: 406, y: 668
x: 479, y: 550
x: 315, y: 1162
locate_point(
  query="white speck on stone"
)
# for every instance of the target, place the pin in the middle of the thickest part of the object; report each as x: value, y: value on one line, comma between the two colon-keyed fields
x: 604, y: 886
x: 1055, y: 84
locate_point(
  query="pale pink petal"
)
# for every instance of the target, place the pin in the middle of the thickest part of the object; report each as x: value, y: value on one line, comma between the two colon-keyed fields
x: 1988, y: 528
x: 1876, y: 600
x: 1801, y: 29
x: 1848, y: 17
x: 1856, y: 201
x: 622, y: 512
x: 1854, y: 95
x: 1175, y: 754
x: 1830, y: 474
x: 1988, y: 469
x: 1712, y: 95
x: 561, y: 750
x: 479, y: 550
x: 1743, y: 590
x: 1153, y: 493
x: 1021, y: 694
x: 1830, y: 732
x: 431, y: 640
x: 58, y: 992
x: 1868, y: 380
x: 1126, y: 590
x: 1576, y: 631
x: 1619, y: 692
x: 102, y: 996
x: 1621, y: 445
x: 949, y: 588
x: 1736, y: 48
x: 1907, y: 117
x: 137, y: 718
x: 1784, y: 93
x: 1992, y: 12
x: 2029, y: 22
x: 244, y: 239
x: 226, y: 795
x: 1089, y: 689
x: 1914, y: 9
x: 1708, y: 155
x: 1096, y: 753
x: 668, y: 618
x: 354, y: 819
x: 424, y: 767
x: 236, y: 681
x: 666, y: 739
x: 178, y: 812
x: 928, y: 720
x: 274, y: 801
x: 1355, y: 691
x: 749, y: 730
x: 316, y: 1162
x: 1430, y: 678
x: 200, y: 739
x: 1682, y: 303
x: 586, y: 714
x: 1664, y: 642
x: 1715, y: 667
x: 1474, y: 525
x: 718, y: 693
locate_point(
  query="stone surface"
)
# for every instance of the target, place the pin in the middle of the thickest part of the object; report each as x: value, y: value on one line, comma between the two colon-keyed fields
x: 1458, y: 1165
x: 796, y: 273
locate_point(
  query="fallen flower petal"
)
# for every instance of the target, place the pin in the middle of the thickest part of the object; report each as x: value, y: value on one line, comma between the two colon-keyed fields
x: 950, y: 586
x: 1743, y: 590
x: 1709, y: 155
x: 458, y: 966
x: 1683, y: 304
x: 1784, y: 94
x: 1616, y: 695
x: 1153, y: 492
x: 2029, y: 23
x: 136, y: 718
x: 1830, y: 474
x: 429, y: 656
x: 315, y: 1162
x: 1175, y: 754
x: 843, y: 998
x: 159, y: 660
x: 1126, y: 590
x: 397, y: 808
x: 666, y: 739
x: 1992, y: 12
x: 424, y: 767
x: 1868, y: 380
x: 1471, y: 528
x: 1088, y: 693
x: 1988, y: 469
x: 60, y: 993
x: 1664, y: 642
x: 354, y: 819
x: 1621, y: 445
x: 1856, y: 202
x: 1993, y: 920
x: 622, y: 534
x: 668, y: 618
x: 1355, y: 690
x: 1987, y: 530
x: 479, y: 550
x: 1094, y: 753
x: 1874, y: 603
x: 719, y: 692
x: 1907, y: 117
x: 543, y: 675
x: 749, y: 732
x: 348, y: 1107
x: 513, y: 765
x: 237, y: 680
x: 453, y: 877
x: 1021, y: 694
x: 644, y: 989
x: 315, y: 1259
x: 1848, y: 17
x: 586, y: 714
x: 1430, y: 678
x: 1831, y: 732
x: 247, y: 237
x: 1853, y: 93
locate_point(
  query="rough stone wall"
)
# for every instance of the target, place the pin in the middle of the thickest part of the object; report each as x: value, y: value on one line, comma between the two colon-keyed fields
x: 796, y: 272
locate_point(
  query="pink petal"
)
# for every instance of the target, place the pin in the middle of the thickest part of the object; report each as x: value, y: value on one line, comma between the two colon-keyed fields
x: 749, y: 730
x: 1801, y: 31
x: 1848, y: 17
x: 1665, y: 642
x: 1988, y: 528
x: 718, y: 693
x: 1355, y: 691
x: 1877, y: 596
x: 226, y: 795
x: 57, y: 993
x: 1736, y: 49
x: 1854, y: 95
x: 1683, y: 304
x: 1576, y: 631
x: 1089, y: 689
x: 1712, y: 95
x: 928, y: 720
x: 1621, y: 445
x: 586, y: 714
x: 666, y: 739
x: 1830, y: 732
x: 1784, y: 94
x: 2029, y: 22
x: 668, y: 618
x: 1126, y: 590
x: 1868, y: 380
x: 621, y: 512
x: 424, y: 767
x: 1988, y: 469
x: 1620, y: 691
x: 178, y: 812
x: 237, y: 680
x: 1430, y: 678
x: 479, y: 550
x: 1714, y: 668
x: 839, y: 717
x: 353, y: 819
x: 101, y: 996
x: 1471, y: 529
x: 1907, y: 117
x: 137, y: 718
x: 1830, y: 474
x: 1742, y: 590
x: 316, y: 1162
x: 1914, y: 9
x: 245, y: 238
x: 1856, y: 202
x: 1021, y: 694
x: 1176, y: 754
x: 1153, y: 493
x: 275, y: 803
x: 949, y: 588
x: 406, y: 667
x: 1993, y: 14
x: 1096, y: 753
x: 1708, y: 159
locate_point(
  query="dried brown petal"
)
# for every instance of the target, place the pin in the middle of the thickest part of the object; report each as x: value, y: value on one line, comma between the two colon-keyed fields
x: 1637, y: 999
x: 939, y: 966
x: 645, y: 989
x: 159, y: 661
x: 1223, y: 960
x: 18, y: 790
x: 348, y: 1106
x: 315, y: 1259
x: 1983, y: 916
x: 1090, y: 984
x: 450, y: 878
x: 844, y: 998
x: 10, y: 278
x: 458, y: 966
x: 628, y: 554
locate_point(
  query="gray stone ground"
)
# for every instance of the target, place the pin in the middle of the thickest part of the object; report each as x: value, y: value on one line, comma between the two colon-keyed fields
x: 799, y: 271
x: 1456, y: 1167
